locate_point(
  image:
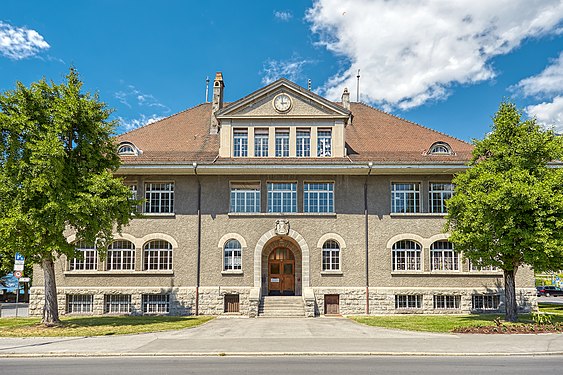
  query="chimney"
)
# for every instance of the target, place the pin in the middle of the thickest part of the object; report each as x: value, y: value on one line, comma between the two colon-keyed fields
x: 217, y: 103
x: 346, y: 99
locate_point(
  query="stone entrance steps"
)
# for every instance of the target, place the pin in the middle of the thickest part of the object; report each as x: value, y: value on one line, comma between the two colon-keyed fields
x: 281, y: 306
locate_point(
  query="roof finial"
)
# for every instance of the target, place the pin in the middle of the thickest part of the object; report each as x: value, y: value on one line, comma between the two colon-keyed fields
x: 207, y: 89
x: 309, y: 84
x: 358, y: 87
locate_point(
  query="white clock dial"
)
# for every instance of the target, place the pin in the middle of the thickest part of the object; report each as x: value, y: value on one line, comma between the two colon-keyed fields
x: 282, y: 103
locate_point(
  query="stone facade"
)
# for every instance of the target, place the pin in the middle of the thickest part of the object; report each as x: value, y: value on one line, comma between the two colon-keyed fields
x: 202, y: 221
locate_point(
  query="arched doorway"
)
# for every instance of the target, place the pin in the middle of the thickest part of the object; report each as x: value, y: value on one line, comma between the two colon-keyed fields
x: 281, y: 272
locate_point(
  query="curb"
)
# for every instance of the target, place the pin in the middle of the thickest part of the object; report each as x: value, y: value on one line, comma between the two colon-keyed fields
x: 278, y: 354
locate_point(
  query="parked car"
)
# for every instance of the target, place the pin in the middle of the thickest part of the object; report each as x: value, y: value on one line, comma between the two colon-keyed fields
x: 549, y: 291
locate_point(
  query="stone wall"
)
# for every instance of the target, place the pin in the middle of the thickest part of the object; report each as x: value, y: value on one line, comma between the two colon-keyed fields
x: 352, y: 301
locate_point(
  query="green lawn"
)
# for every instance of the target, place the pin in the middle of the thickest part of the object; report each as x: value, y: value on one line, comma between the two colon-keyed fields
x: 97, y: 326
x: 446, y: 323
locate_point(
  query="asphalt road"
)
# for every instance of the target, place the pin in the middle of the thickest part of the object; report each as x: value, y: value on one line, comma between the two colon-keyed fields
x: 283, y: 365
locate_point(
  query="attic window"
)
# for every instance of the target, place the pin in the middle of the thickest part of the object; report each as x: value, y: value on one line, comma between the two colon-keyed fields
x: 440, y: 148
x: 127, y: 149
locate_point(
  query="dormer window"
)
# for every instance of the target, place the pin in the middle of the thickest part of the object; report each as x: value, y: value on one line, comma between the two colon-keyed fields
x: 440, y: 148
x: 128, y: 149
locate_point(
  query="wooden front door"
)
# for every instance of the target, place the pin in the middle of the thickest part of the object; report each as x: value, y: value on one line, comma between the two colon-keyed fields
x: 281, y: 272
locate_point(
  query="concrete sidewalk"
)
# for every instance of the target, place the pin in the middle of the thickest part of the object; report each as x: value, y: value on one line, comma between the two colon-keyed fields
x: 285, y: 336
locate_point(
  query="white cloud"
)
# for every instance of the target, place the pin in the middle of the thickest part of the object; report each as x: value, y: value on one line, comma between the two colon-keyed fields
x: 549, y: 114
x: 283, y: 15
x: 290, y: 69
x: 130, y: 124
x: 549, y: 81
x: 19, y: 43
x: 410, y: 52
x: 135, y: 96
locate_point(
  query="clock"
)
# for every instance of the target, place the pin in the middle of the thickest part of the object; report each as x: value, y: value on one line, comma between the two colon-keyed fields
x: 282, y: 103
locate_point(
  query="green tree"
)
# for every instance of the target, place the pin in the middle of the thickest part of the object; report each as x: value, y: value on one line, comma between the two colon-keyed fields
x: 57, y: 159
x: 507, y: 210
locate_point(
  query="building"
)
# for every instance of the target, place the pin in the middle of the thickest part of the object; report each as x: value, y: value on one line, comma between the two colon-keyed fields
x: 283, y: 202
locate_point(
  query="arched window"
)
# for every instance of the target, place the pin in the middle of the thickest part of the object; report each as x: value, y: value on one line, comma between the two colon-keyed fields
x: 406, y: 256
x: 232, y: 252
x: 86, y: 258
x: 121, y: 256
x: 443, y: 257
x: 440, y: 148
x: 331, y: 256
x: 127, y: 148
x: 157, y: 255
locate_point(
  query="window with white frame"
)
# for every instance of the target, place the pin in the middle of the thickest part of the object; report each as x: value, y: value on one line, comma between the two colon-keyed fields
x: 486, y: 301
x: 447, y: 302
x: 126, y: 149
x: 440, y: 148
x: 79, y: 303
x: 245, y: 197
x: 318, y: 197
x: 406, y: 256
x: 261, y: 137
x: 121, y: 256
x: 159, y: 197
x: 478, y: 266
x: 157, y: 255
x: 134, y: 196
x: 303, y: 143
x: 438, y: 193
x: 240, y: 142
x: 117, y: 303
x: 282, y: 197
x: 324, y: 142
x: 443, y: 257
x: 86, y: 258
x: 405, y: 197
x: 232, y: 253
x: 408, y: 301
x: 282, y: 142
x: 331, y: 256
x: 155, y: 303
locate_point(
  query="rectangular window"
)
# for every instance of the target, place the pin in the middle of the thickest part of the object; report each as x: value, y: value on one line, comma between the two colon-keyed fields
x: 303, y: 143
x: 476, y: 267
x: 245, y: 197
x: 117, y: 303
x: 318, y: 197
x: 159, y: 197
x: 240, y: 142
x: 134, y: 195
x: 282, y: 143
x: 282, y: 197
x: 79, y: 303
x: 405, y: 197
x: 261, y: 142
x: 447, y: 302
x: 156, y: 303
x: 438, y: 193
x: 486, y: 301
x: 324, y: 142
x: 408, y: 301
x: 86, y: 259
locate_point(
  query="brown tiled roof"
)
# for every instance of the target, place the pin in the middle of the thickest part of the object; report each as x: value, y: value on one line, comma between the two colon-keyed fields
x: 373, y: 136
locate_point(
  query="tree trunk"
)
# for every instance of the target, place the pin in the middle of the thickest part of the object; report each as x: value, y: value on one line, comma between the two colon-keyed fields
x: 511, y: 307
x: 51, y: 308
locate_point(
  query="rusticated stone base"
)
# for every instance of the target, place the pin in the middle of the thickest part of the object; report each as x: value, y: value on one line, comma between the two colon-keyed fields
x: 352, y: 301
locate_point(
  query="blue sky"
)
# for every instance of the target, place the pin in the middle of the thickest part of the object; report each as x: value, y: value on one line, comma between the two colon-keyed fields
x: 445, y: 65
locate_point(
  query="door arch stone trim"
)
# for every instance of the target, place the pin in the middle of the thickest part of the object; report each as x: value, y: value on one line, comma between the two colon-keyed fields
x: 260, y: 248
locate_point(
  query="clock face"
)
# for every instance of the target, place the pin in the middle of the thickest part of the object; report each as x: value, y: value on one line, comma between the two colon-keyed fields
x: 282, y: 103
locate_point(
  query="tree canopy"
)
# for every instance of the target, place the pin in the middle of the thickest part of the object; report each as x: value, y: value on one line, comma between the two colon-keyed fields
x: 507, y: 209
x: 57, y: 158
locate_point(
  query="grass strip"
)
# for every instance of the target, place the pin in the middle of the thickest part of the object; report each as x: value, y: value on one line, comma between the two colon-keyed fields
x: 97, y: 325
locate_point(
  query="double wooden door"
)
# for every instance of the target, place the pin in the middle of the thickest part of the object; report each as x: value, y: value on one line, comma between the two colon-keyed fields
x: 281, y: 272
